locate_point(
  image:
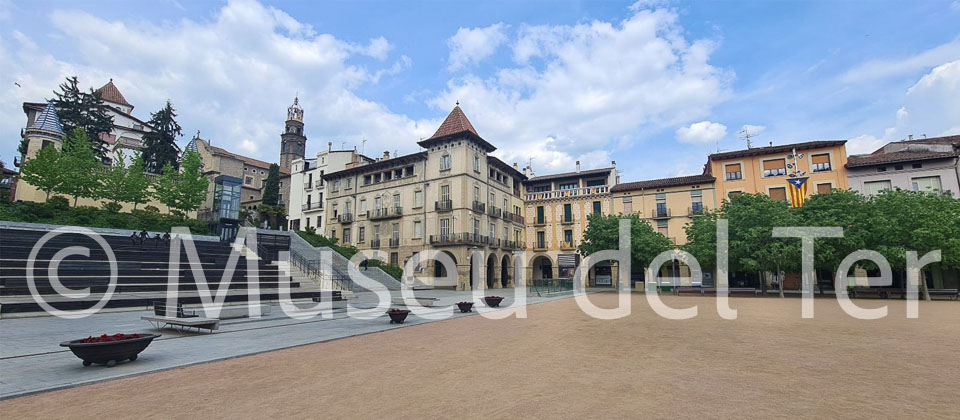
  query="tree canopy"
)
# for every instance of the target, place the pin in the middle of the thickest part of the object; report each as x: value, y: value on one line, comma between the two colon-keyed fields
x: 603, y: 233
x: 86, y: 111
x: 160, y: 144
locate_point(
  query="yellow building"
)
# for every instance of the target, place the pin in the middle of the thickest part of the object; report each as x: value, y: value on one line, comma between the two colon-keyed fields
x: 668, y: 204
x: 557, y: 207
x: 765, y: 169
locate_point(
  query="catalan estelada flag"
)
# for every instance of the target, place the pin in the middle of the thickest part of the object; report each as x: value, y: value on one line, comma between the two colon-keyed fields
x: 797, y: 189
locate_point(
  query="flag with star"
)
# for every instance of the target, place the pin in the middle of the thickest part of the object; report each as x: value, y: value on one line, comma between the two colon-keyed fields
x: 796, y: 190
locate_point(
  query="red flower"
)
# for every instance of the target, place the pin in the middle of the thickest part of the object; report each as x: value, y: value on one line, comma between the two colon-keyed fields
x: 108, y: 338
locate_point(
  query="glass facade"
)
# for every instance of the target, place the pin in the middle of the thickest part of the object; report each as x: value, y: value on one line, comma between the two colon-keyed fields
x: 226, y: 197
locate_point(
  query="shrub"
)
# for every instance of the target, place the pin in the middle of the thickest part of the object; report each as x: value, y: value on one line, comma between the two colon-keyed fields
x: 151, y: 209
x: 59, y: 202
x: 56, y: 213
x: 112, y: 207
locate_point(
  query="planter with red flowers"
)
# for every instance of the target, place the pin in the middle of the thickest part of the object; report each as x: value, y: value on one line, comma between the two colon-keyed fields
x: 109, y: 349
x: 493, y: 301
x: 465, y: 307
x: 397, y: 316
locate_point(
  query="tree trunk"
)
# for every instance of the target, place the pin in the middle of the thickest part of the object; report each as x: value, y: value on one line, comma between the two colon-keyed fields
x: 75, y: 200
x: 923, y: 286
x: 780, y: 280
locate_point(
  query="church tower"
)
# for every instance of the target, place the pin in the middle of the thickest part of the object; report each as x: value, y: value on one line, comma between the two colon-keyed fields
x: 293, y: 144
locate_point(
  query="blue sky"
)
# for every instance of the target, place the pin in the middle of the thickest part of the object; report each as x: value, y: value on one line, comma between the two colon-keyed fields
x: 655, y: 85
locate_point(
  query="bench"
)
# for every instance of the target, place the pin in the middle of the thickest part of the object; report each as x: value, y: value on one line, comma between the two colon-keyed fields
x: 167, y: 316
x: 953, y: 294
x: 870, y: 291
x: 426, y: 302
x: 732, y: 291
x: 236, y: 311
x: 687, y: 289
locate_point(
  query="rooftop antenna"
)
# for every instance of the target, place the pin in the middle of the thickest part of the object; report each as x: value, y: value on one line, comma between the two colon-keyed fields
x: 343, y: 145
x: 745, y: 135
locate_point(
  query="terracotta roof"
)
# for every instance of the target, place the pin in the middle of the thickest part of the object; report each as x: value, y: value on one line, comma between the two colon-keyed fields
x: 760, y: 151
x: 109, y: 92
x: 858, y: 161
x: 248, y: 160
x: 588, y: 172
x: 455, y: 124
x: 47, y: 120
x: 663, y: 183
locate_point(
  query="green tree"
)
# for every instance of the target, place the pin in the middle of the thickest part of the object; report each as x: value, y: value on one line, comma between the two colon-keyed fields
x: 83, y: 170
x: 112, y: 185
x: 160, y: 144
x: 44, y: 171
x: 84, y: 110
x: 271, y: 188
x: 137, y: 185
x: 183, y: 190
x: 753, y: 248
x: 603, y: 233
x: 702, y: 239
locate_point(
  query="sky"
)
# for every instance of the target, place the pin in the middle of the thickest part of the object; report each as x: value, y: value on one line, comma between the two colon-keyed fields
x: 653, y: 85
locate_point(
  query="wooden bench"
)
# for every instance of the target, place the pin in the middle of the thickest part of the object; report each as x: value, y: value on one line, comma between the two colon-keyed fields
x: 732, y: 291
x: 953, y: 294
x: 167, y: 316
x: 870, y: 291
x: 687, y: 289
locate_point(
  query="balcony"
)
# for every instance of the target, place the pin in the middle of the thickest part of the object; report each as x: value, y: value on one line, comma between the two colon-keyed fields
x: 494, y: 243
x: 375, y: 244
x: 307, y: 186
x: 495, y: 212
x: 568, y: 193
x: 540, y: 247
x: 386, y: 213
x: 566, y: 220
x: 444, y: 205
x: 516, y: 218
x: 567, y: 246
x: 394, y: 242
x: 345, y: 218
x: 509, y: 245
x: 479, y: 207
x: 312, y: 206
x: 454, y: 239
x: 661, y: 213
x: 318, y: 183
x: 696, y: 211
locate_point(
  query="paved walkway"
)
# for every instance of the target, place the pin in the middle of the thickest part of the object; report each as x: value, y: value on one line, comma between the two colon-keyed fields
x: 31, y: 360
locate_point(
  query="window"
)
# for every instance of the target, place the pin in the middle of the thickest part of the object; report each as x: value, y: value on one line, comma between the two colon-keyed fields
x: 774, y: 167
x: 444, y: 228
x: 445, y: 162
x: 346, y: 235
x: 821, y: 162
x: 506, y: 233
x: 361, y: 234
x: 882, y: 169
x: 823, y: 188
x: 628, y: 205
x: 493, y: 231
x: 349, y: 183
x: 248, y: 180
x: 733, y: 193
x: 733, y: 172
x: 335, y: 210
x: 492, y: 200
x: 418, y: 198
x: 336, y: 185
x: 540, y: 215
x: 779, y: 193
x: 444, y: 193
x: 875, y: 187
x: 569, y: 186
x: 596, y: 207
x: 596, y: 182
x: 541, y: 240
x: 417, y: 229
x: 396, y: 231
x: 396, y: 200
x: 476, y: 163
x: 540, y: 188
x: 567, y: 213
x: 476, y: 227
x: 394, y: 259
x: 696, y: 207
x: 376, y: 233
x: 926, y: 184
x: 568, y: 238
x: 308, y: 222
x: 363, y: 206
x: 662, y: 228
x: 333, y: 233
x: 476, y: 194
x: 917, y: 165
x: 377, y: 204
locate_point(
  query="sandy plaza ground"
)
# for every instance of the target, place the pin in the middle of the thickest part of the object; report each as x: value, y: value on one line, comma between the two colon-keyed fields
x: 561, y: 363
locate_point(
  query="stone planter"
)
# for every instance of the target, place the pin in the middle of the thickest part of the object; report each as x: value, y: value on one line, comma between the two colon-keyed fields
x: 465, y: 307
x: 397, y: 316
x: 493, y: 301
x: 109, y: 352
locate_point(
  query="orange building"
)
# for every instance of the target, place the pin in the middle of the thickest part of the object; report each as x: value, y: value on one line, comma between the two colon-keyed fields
x: 766, y: 169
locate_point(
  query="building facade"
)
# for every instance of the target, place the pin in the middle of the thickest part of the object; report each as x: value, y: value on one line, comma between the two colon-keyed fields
x: 668, y: 204
x: 557, y: 208
x: 766, y: 170
x: 928, y: 165
x: 452, y: 197
x: 307, y: 189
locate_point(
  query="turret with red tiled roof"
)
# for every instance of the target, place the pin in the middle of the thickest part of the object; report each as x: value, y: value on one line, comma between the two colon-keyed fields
x: 456, y: 124
x: 110, y: 93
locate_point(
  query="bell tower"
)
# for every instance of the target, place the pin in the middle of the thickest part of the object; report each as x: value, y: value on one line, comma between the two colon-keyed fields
x: 293, y: 144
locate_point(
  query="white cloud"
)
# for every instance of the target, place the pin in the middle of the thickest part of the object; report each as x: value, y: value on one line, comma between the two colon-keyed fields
x: 470, y: 46
x: 702, y: 132
x: 753, y: 129
x: 593, y: 86
x: 863, y: 144
x: 879, y: 69
x: 231, y: 76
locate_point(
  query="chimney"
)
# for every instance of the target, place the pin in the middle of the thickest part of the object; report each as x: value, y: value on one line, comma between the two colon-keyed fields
x: 515, y: 167
x: 614, y: 163
x: 386, y: 154
x: 578, y: 166
x: 329, y: 146
x: 910, y: 137
x: 526, y: 171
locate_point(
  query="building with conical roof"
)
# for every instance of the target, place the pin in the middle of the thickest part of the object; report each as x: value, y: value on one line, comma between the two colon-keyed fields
x: 110, y: 94
x: 452, y: 197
